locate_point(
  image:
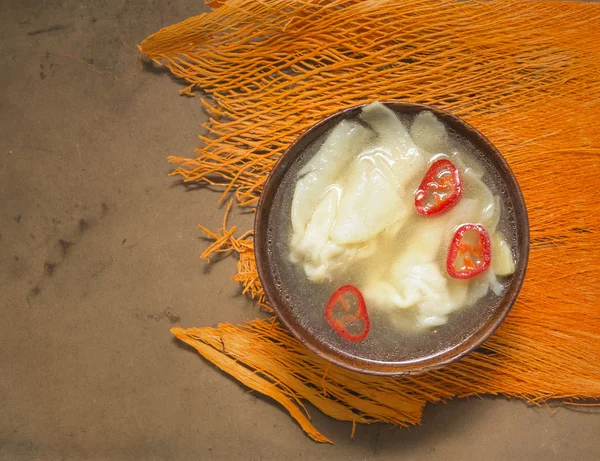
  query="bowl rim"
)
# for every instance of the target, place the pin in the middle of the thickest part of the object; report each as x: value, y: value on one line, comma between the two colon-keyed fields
x: 431, y: 362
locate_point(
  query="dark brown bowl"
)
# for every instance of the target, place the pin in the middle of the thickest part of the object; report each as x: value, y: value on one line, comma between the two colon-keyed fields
x: 439, y: 353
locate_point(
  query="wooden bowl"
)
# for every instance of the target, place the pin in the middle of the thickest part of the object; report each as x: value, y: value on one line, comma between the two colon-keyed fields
x: 452, y: 343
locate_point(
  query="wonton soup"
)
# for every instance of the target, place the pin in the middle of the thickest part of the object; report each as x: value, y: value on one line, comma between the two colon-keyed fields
x: 392, y: 232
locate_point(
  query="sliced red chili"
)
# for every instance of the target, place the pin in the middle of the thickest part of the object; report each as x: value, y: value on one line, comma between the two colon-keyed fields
x: 440, y: 189
x: 346, y: 312
x: 470, y: 252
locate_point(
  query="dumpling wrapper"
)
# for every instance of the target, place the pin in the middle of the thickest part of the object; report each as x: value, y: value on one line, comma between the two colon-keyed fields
x: 441, y: 296
x: 503, y: 262
x: 416, y: 279
x: 394, y: 143
x: 369, y: 204
x: 315, y: 248
x: 429, y: 133
x: 316, y: 234
x: 322, y: 171
x: 373, y: 197
x: 315, y: 208
x: 465, y: 164
x: 423, y: 287
x: 482, y: 284
x: 490, y: 204
x: 319, y: 254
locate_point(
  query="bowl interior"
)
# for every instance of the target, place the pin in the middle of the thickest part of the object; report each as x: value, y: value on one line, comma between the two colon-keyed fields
x: 293, y: 295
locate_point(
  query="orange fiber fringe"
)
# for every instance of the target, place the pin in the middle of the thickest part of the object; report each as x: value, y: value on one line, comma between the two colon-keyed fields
x: 526, y: 73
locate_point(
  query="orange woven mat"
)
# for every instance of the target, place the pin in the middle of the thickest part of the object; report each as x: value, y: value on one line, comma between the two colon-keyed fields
x: 525, y: 73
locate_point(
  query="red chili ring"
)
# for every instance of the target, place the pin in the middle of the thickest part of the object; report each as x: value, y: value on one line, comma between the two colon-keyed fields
x: 482, y: 252
x: 340, y: 324
x: 443, y: 176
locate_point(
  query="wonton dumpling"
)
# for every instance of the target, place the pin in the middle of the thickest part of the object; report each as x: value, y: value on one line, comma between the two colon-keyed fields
x: 385, y: 296
x: 314, y: 247
x: 370, y: 202
x: 394, y: 143
x: 338, y: 149
x: 373, y: 198
x: 490, y: 204
x: 416, y: 279
x: 316, y: 234
x: 429, y: 133
x: 502, y: 262
x: 421, y: 286
x: 434, y: 233
x: 436, y: 297
x: 466, y: 165
x: 482, y: 284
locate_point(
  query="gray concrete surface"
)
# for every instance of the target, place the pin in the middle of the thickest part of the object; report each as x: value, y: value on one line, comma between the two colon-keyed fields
x: 99, y: 254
